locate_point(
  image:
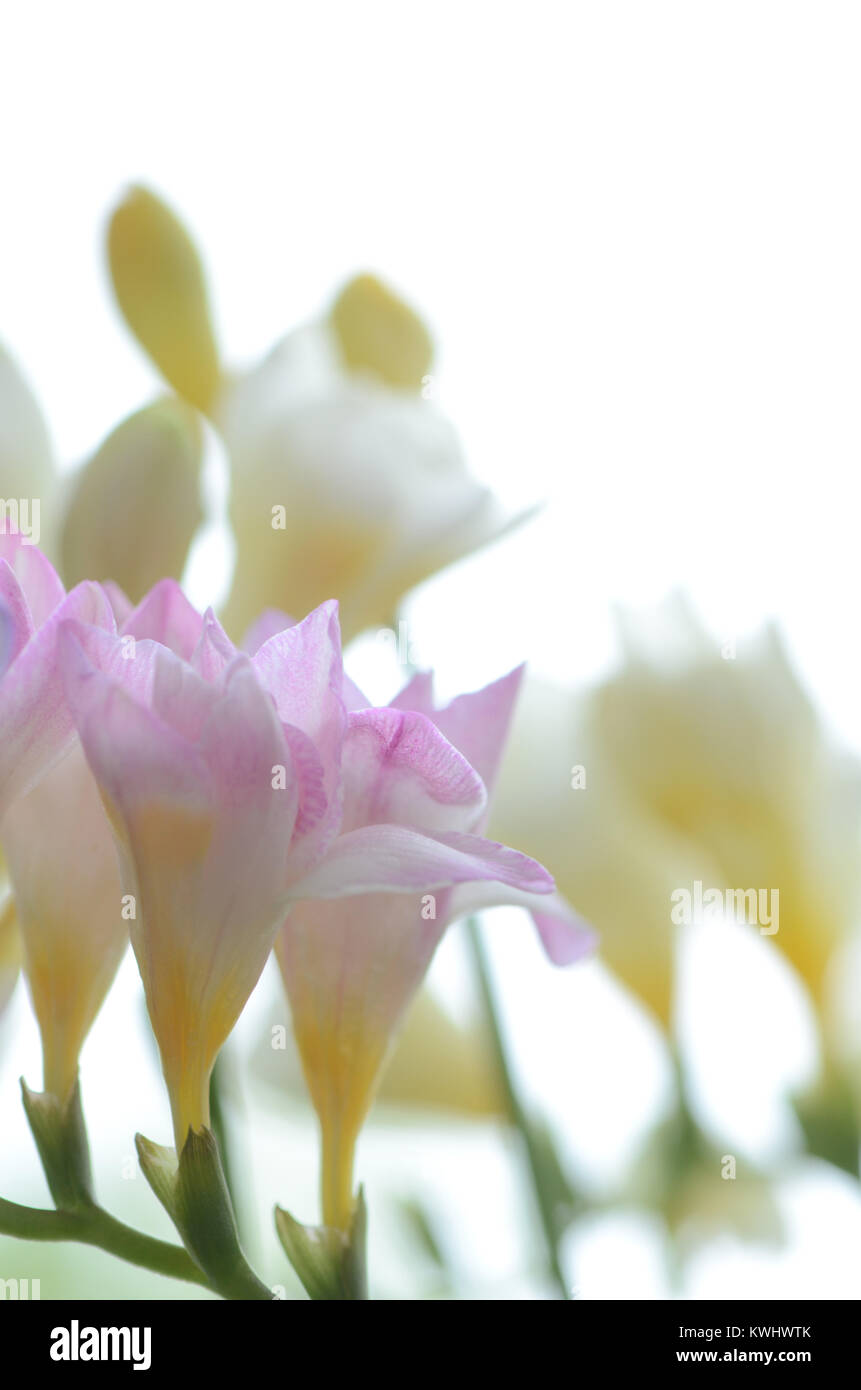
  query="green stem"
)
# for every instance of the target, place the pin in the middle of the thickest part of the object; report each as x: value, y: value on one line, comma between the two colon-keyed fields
x: 516, y: 1110
x: 219, y: 1121
x: 93, y: 1226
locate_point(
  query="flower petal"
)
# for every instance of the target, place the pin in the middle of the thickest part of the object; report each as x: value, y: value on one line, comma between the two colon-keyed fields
x: 478, y: 724
x: 301, y: 669
x: 398, y: 768
x: 42, y: 586
x: 398, y: 859
x: 565, y: 935
x: 36, y: 724
x: 166, y: 616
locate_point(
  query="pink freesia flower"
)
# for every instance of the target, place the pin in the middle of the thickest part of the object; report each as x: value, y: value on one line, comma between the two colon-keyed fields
x: 352, y: 966
x: 237, y: 785
x: 36, y: 726
x: 58, y: 847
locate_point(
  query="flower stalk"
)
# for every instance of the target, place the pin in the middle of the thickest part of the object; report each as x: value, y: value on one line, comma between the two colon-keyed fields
x: 534, y: 1147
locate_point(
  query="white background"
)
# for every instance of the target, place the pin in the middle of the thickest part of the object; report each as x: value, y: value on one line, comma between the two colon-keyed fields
x: 636, y: 231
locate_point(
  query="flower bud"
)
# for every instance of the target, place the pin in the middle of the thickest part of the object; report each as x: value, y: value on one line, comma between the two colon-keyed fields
x: 161, y: 290
x: 135, y: 506
x: 378, y: 333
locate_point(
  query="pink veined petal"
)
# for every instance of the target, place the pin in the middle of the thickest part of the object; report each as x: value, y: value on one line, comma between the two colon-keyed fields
x: 214, y: 650
x: 301, y: 669
x: 269, y: 624
x: 40, y: 582
x: 166, y: 616
x: 398, y: 768
x: 398, y: 859
x: 18, y: 621
x: 478, y: 723
x: 129, y: 661
x: 136, y: 756
x: 36, y: 724
x: 244, y: 740
x: 181, y: 697
x: 565, y: 935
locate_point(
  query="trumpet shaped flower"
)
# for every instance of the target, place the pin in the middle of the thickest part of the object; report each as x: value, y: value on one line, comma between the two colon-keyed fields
x: 711, y: 766
x: 36, y: 725
x: 352, y: 965
x: 60, y: 857
x: 185, y: 768
x: 237, y: 785
x: 68, y: 900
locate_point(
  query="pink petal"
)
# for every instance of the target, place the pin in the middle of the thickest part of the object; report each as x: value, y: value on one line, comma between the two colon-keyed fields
x: 18, y: 620
x: 42, y: 585
x: 36, y: 724
x: 119, y: 601
x: 397, y: 859
x: 565, y: 935
x: 565, y: 942
x: 478, y: 723
x: 398, y: 768
x: 302, y: 670
x: 214, y: 650
x: 135, y: 756
x: 166, y: 616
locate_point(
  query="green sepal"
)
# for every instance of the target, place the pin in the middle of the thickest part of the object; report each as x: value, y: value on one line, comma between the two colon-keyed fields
x: 194, y: 1194
x: 828, y: 1118
x: 61, y: 1137
x: 332, y: 1264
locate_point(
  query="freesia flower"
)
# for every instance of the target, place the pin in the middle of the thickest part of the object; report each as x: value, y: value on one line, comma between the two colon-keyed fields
x: 63, y: 867
x: 345, y: 479
x: 344, y: 483
x: 352, y: 966
x: 68, y: 900
x: 699, y: 764
x: 36, y: 726
x: 59, y: 854
x: 225, y: 778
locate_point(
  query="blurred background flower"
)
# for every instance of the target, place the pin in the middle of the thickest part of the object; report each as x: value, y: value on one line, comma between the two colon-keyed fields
x: 344, y: 478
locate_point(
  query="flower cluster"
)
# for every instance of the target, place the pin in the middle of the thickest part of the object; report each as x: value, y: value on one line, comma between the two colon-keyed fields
x: 216, y: 803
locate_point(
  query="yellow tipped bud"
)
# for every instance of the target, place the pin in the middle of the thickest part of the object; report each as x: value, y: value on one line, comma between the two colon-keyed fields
x: 378, y: 333
x: 161, y: 290
x: 136, y: 505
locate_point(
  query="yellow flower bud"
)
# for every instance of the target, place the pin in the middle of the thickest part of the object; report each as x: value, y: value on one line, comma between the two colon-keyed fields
x: 135, y: 506
x: 380, y: 334
x: 161, y: 290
